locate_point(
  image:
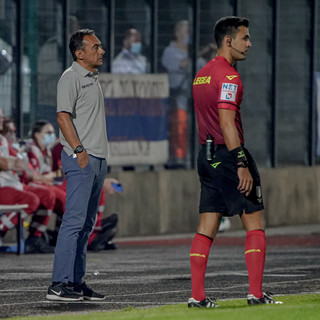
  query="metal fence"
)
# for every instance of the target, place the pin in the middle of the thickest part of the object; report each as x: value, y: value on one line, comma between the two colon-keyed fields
x: 279, y: 106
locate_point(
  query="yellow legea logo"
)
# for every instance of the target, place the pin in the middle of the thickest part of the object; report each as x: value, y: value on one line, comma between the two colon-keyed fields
x: 202, y: 80
x: 232, y: 77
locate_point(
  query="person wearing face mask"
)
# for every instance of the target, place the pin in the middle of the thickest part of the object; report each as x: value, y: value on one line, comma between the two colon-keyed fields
x: 40, y: 200
x: 38, y: 150
x: 175, y: 59
x: 130, y: 60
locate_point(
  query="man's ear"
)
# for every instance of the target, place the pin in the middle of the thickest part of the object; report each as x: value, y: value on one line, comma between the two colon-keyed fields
x: 79, y: 54
x: 228, y: 40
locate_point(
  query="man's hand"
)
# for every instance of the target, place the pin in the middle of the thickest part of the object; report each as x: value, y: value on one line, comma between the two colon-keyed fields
x: 107, y: 185
x: 245, y: 181
x: 184, y: 62
x: 83, y: 159
x: 16, y: 164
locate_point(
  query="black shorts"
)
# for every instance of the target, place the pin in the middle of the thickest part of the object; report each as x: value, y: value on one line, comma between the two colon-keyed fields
x: 219, y: 182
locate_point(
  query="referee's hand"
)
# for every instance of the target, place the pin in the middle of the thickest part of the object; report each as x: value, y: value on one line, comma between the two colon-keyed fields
x: 245, y: 181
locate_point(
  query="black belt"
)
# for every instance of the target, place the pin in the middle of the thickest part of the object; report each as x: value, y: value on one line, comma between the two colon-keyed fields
x: 221, y: 145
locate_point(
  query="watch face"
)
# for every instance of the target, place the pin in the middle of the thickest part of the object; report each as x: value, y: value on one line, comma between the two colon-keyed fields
x: 78, y: 149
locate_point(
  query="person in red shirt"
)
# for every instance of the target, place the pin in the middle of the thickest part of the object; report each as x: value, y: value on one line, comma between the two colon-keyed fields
x: 12, y: 191
x: 230, y: 182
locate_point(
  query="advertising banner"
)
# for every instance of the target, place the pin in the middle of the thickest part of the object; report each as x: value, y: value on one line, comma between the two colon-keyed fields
x: 136, y: 114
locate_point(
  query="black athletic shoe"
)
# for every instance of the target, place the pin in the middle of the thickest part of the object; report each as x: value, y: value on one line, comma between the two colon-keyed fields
x: 37, y: 245
x: 206, y: 303
x: 110, y: 246
x: 62, y: 292
x: 88, y: 293
x: 266, y: 299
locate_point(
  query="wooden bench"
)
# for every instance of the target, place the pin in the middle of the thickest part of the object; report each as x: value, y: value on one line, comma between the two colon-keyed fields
x: 19, y: 248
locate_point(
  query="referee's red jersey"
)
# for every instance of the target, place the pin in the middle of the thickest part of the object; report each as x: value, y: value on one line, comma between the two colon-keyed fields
x: 217, y: 85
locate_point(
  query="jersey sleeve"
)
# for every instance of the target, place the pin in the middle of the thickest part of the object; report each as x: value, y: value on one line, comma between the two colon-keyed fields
x: 229, y: 93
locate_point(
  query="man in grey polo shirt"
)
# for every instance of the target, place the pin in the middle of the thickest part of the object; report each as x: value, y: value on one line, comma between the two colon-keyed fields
x: 81, y: 118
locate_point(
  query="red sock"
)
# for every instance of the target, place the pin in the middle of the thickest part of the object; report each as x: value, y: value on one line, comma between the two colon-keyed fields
x: 255, y: 254
x: 199, y: 252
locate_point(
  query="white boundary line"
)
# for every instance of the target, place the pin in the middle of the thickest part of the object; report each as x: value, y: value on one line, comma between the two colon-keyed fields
x: 215, y: 289
x: 130, y: 303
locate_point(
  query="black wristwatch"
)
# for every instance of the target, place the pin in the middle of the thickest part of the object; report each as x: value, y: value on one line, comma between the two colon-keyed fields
x: 78, y: 149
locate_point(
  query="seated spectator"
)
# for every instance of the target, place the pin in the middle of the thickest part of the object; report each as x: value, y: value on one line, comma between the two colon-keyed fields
x: 12, y: 191
x: 32, y: 175
x: 9, y: 132
x: 38, y: 150
x: 130, y: 60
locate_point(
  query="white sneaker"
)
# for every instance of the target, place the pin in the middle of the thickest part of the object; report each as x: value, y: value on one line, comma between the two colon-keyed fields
x: 225, y: 224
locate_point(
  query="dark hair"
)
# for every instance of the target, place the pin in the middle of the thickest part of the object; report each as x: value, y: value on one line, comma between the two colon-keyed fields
x: 5, y: 128
x: 129, y: 33
x: 228, y: 26
x: 76, y: 41
x: 37, y: 127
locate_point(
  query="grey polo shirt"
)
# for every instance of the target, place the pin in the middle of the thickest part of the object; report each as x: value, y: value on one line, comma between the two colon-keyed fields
x: 79, y: 94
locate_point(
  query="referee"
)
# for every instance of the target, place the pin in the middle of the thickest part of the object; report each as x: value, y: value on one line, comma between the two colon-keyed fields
x: 230, y: 182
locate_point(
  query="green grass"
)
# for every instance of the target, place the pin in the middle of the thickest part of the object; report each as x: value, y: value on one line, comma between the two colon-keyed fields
x: 299, y: 307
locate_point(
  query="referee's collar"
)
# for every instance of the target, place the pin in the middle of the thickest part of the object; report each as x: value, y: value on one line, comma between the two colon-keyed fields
x: 221, y: 58
x: 82, y: 71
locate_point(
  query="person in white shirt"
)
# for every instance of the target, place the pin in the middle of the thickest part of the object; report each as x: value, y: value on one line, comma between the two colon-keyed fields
x: 130, y: 60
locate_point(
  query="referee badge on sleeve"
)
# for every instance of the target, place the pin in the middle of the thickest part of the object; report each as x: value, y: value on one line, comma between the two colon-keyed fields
x: 228, y: 92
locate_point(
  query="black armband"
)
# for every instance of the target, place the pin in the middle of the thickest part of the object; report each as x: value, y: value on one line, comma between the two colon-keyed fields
x: 240, y: 157
x: 242, y: 164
